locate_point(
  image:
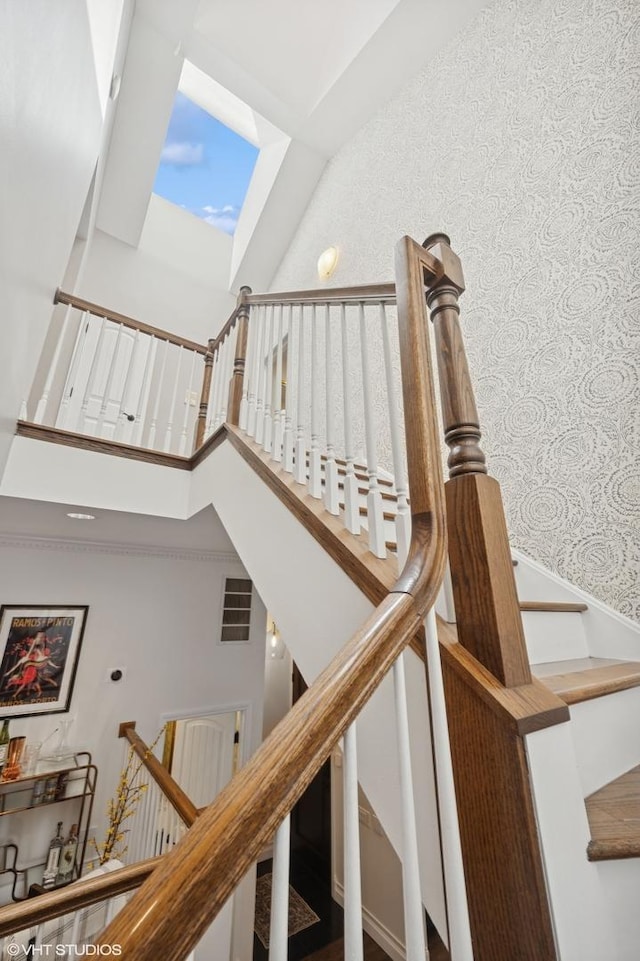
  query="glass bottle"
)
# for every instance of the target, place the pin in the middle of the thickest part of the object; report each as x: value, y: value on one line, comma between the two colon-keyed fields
x: 68, y: 857
x: 4, y: 742
x: 53, y: 859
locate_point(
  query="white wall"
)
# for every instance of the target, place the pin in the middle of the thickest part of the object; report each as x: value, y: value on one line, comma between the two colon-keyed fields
x: 157, y: 618
x: 50, y: 122
x: 519, y: 139
x: 177, y: 278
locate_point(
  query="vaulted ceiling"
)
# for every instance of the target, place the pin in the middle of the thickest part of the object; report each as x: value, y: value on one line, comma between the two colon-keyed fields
x: 315, y: 72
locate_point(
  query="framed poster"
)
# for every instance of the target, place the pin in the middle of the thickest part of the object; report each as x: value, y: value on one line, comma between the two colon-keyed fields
x: 39, y: 648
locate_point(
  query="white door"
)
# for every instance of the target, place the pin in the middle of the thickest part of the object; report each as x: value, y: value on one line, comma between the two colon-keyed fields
x: 203, y: 755
x: 108, y: 381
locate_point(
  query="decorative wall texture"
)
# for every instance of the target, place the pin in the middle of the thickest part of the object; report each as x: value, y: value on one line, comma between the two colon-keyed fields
x: 522, y: 141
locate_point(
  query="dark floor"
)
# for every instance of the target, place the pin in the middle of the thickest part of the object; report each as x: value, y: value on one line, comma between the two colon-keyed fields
x: 323, y: 941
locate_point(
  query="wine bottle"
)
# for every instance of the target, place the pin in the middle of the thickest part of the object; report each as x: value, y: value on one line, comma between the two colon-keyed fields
x: 4, y: 742
x: 53, y: 859
x: 68, y: 857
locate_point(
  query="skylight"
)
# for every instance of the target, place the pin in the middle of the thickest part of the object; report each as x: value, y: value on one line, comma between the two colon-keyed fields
x: 205, y: 167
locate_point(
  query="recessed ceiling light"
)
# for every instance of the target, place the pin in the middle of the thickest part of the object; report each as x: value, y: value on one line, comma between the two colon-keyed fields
x: 81, y: 517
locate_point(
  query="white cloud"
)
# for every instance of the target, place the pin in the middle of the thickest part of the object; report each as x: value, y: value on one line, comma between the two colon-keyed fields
x: 224, y: 218
x: 183, y: 154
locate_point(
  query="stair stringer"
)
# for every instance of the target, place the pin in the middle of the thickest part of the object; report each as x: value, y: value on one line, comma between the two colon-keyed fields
x: 317, y: 608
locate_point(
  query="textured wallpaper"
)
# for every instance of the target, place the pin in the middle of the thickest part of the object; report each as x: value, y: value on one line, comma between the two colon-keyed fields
x: 522, y: 141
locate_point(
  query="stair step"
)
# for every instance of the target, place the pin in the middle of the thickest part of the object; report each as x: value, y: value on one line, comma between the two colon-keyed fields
x: 586, y: 678
x: 386, y: 495
x: 553, y: 606
x: 614, y: 819
x: 388, y: 515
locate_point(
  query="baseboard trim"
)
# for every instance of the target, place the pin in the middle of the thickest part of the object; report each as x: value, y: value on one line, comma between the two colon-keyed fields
x: 385, y: 938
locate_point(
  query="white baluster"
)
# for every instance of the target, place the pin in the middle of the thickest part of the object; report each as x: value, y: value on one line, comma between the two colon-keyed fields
x: 188, y: 405
x: 315, y: 459
x: 403, y: 517
x: 107, y: 386
x: 351, y: 500
x: 460, y: 944
x: 279, y: 919
x: 92, y: 373
x: 262, y: 377
x: 255, y: 334
x: 145, y: 387
x: 331, y: 499
x: 287, y: 436
x: 172, y: 408
x: 123, y: 411
x: 76, y: 357
x: 375, y: 512
x: 248, y: 364
x: 214, y: 392
x: 229, y: 359
x: 353, y: 943
x: 53, y: 367
x: 268, y: 390
x: 415, y: 939
x: 277, y: 393
x: 300, y: 449
x: 159, y: 393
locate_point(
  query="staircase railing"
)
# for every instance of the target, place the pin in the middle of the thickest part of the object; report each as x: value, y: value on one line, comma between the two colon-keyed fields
x: 174, y: 908
x: 296, y: 373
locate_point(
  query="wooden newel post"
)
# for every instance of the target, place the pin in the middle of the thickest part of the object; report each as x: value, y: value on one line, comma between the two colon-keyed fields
x: 237, y: 377
x: 204, y: 396
x: 484, y: 590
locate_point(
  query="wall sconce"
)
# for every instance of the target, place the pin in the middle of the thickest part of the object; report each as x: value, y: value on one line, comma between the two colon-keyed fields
x: 275, y: 642
x: 327, y: 262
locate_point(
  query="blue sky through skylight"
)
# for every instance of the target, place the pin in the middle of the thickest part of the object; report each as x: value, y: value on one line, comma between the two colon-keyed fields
x: 204, y: 167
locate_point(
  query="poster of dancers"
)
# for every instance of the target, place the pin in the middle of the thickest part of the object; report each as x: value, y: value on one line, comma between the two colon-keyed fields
x: 39, y: 648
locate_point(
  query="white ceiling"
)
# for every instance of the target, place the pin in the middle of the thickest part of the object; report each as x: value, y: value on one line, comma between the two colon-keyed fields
x: 37, y: 519
x: 316, y: 71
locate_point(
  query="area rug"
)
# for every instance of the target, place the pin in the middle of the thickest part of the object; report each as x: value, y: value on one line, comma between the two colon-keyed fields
x: 301, y: 916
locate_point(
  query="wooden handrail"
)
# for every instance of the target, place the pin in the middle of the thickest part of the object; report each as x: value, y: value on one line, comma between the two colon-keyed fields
x: 367, y: 293
x: 176, y: 905
x: 73, y: 897
x: 174, y: 794
x: 61, y: 297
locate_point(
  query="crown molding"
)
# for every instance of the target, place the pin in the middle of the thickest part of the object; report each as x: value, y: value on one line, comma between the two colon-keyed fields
x: 67, y: 545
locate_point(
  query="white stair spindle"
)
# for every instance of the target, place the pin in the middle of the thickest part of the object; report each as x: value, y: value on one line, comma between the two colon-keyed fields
x: 375, y: 511
x: 300, y: 448
x: 214, y: 392
x: 279, y: 919
x: 172, y: 408
x: 287, y: 435
x: 315, y: 459
x: 351, y: 504
x: 82, y: 416
x: 262, y: 378
x: 53, y: 367
x: 331, y: 499
x: 353, y: 943
x: 460, y: 944
x: 76, y: 357
x: 188, y: 404
x: 230, y: 347
x: 414, y: 926
x: 107, y: 387
x: 159, y: 393
x: 267, y: 442
x: 124, y: 411
x: 145, y: 387
x: 226, y: 352
x: 403, y: 517
x: 277, y: 391
x: 255, y: 335
x: 248, y: 370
